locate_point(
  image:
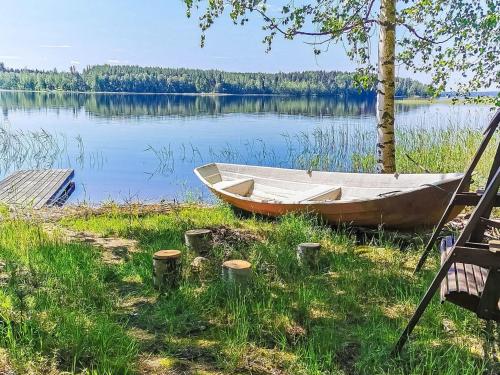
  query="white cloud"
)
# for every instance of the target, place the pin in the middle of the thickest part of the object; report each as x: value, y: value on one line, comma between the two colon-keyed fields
x: 116, y: 62
x: 55, y: 46
x: 74, y: 62
x: 9, y: 57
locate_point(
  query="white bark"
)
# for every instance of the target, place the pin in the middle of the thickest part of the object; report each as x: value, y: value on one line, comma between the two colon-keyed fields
x: 386, y: 161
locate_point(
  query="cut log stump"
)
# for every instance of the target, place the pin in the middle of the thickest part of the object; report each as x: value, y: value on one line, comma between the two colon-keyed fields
x: 237, y: 271
x: 308, y: 254
x: 200, y: 267
x: 199, y: 240
x: 166, y: 269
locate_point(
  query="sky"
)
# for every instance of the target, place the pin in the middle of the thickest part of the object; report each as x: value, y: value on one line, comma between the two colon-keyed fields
x: 47, y: 34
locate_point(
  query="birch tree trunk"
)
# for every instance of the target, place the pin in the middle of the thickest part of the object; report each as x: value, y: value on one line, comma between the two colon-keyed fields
x: 386, y: 160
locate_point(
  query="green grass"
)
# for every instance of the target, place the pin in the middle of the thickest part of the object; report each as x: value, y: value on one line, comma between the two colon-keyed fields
x: 63, y: 308
x: 56, y: 305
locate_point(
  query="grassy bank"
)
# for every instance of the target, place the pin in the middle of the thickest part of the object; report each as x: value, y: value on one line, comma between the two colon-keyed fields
x: 64, y: 306
x: 483, y: 100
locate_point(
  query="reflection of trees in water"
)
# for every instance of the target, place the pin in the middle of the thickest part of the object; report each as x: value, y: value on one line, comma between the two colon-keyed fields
x: 128, y: 105
x: 174, y: 105
x: 19, y: 100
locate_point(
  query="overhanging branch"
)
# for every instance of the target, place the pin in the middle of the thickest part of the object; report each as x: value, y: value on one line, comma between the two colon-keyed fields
x: 424, y: 38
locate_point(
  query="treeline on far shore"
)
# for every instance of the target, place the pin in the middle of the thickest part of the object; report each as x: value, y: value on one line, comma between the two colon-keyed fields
x: 124, y: 78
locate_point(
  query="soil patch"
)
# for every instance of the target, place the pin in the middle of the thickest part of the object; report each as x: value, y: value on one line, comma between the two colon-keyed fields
x: 115, y: 250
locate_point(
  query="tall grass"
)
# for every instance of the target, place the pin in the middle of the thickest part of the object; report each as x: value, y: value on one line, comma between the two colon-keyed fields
x: 40, y: 149
x: 56, y: 305
x: 448, y: 146
x: 36, y: 149
x: 79, y: 313
x: 438, y: 151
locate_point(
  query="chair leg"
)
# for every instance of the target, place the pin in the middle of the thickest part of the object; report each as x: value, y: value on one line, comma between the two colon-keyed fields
x: 433, y: 239
x: 422, y: 306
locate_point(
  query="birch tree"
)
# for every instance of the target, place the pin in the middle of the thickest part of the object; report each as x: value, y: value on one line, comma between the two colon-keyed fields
x: 457, y: 40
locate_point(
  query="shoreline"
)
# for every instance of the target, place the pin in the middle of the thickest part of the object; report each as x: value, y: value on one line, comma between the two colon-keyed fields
x: 170, y: 93
x: 75, y: 210
x: 398, y: 100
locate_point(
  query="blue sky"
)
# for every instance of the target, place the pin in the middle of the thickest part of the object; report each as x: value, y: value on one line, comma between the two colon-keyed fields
x: 58, y: 33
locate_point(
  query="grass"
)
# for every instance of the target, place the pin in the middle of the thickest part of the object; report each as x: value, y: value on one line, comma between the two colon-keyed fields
x: 63, y: 308
x: 484, y: 100
x: 450, y: 149
x: 55, y: 306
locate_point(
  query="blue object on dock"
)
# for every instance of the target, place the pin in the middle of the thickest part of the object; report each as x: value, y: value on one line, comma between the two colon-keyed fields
x: 37, y: 188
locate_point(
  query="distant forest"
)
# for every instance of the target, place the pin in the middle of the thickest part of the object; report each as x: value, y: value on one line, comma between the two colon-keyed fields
x: 109, y: 78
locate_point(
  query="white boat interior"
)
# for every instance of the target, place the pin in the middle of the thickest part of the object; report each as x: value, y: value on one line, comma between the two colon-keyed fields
x: 278, y: 185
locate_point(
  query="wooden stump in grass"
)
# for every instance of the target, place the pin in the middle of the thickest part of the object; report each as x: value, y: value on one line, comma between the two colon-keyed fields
x: 308, y: 254
x: 237, y: 271
x: 200, y: 267
x: 166, y: 269
x: 199, y: 240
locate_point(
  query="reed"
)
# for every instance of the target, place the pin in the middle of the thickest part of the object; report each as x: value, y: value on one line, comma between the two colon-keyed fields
x: 428, y: 143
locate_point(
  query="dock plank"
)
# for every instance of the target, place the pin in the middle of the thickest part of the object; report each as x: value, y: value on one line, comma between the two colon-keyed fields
x: 38, y: 187
x: 28, y: 192
x: 51, y: 191
x: 32, y: 191
x: 6, y: 181
x: 12, y: 181
x: 35, y: 188
x: 23, y: 191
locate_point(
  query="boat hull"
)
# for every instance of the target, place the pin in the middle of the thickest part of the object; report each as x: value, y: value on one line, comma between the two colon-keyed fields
x: 404, y: 211
x: 419, y: 207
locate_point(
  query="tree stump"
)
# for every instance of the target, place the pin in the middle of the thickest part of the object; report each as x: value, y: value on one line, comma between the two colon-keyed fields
x: 308, y: 254
x: 200, y: 267
x: 237, y: 271
x: 166, y: 269
x: 199, y: 240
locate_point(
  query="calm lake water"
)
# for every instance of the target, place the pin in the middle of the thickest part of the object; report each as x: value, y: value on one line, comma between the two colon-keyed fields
x: 145, y: 146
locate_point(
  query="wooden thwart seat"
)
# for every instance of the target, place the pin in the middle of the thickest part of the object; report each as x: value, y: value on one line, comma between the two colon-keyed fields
x: 319, y: 194
x: 247, y: 187
x: 241, y: 186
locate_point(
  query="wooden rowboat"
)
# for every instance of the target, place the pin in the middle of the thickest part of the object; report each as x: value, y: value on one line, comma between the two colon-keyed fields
x: 403, y: 201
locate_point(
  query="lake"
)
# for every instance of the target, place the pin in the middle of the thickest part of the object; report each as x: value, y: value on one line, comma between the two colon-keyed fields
x: 145, y: 147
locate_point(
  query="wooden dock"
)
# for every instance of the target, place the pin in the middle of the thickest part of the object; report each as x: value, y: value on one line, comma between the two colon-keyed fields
x: 37, y: 188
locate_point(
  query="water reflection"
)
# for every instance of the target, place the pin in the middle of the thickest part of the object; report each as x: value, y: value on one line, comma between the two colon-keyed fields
x: 129, y: 105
